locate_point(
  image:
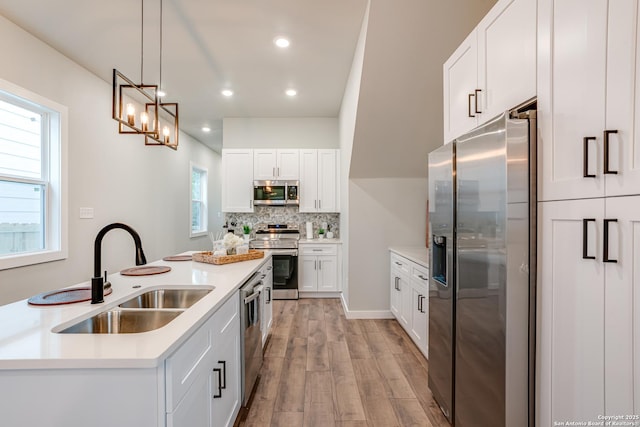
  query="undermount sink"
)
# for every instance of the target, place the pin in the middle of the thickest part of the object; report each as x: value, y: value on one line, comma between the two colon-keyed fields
x: 143, y: 313
x: 166, y: 298
x: 123, y: 322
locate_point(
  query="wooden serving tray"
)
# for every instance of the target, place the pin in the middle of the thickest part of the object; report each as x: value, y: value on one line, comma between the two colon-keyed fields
x: 208, y: 257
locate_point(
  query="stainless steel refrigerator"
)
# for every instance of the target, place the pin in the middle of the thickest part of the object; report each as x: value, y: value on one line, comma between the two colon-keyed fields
x: 482, y: 273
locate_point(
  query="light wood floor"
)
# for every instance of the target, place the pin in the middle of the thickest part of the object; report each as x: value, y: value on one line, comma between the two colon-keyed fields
x: 321, y: 369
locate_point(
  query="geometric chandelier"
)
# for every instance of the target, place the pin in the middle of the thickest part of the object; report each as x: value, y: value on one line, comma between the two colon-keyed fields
x: 157, y: 121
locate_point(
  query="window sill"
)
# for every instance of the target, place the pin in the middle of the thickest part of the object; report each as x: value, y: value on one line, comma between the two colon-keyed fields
x: 26, y: 259
x: 198, y: 234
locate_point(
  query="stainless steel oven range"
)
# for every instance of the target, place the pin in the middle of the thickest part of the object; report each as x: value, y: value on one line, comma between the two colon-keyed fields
x: 282, y: 240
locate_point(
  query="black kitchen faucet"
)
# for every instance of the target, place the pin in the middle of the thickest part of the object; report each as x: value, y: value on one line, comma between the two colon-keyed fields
x: 97, y: 281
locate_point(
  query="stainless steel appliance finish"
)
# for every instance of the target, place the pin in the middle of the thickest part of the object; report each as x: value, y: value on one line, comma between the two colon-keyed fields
x: 442, y: 271
x: 482, y: 263
x: 276, y: 193
x: 251, y: 342
x: 282, y: 240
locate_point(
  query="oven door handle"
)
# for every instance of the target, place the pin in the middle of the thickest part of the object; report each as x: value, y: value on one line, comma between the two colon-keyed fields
x: 291, y: 252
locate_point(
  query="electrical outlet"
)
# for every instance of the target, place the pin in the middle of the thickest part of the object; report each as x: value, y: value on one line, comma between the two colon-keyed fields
x: 86, y: 213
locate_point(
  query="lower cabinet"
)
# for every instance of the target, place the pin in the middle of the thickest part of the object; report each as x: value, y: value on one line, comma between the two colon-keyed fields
x: 203, y: 375
x: 318, y: 268
x: 589, y: 305
x: 409, y: 299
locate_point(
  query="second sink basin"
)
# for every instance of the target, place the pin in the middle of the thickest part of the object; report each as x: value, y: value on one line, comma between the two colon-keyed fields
x: 166, y: 298
x: 123, y: 322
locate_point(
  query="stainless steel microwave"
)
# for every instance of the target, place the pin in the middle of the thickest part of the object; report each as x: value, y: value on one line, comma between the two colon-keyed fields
x: 276, y: 193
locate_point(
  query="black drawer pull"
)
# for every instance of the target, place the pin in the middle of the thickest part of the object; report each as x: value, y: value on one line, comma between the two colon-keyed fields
x: 585, y: 157
x: 469, y: 105
x: 605, y: 249
x: 606, y: 153
x: 585, y: 231
x: 476, y: 101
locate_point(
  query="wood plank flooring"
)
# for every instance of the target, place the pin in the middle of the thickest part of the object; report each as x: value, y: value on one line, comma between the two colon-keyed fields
x: 323, y: 370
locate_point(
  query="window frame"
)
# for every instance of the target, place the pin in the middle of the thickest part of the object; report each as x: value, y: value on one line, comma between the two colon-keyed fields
x: 204, y: 208
x: 54, y: 176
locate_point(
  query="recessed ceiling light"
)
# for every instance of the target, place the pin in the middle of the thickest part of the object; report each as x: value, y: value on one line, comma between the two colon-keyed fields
x: 161, y: 93
x: 281, y: 42
x: 206, y: 129
x: 291, y: 92
x: 227, y: 92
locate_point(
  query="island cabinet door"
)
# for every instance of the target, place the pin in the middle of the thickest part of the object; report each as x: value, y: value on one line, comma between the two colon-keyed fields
x: 195, y: 409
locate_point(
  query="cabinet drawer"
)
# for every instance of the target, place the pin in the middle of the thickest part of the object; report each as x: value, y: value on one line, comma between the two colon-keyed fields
x: 318, y: 249
x: 187, y: 364
x: 225, y: 315
x: 419, y: 274
x: 400, y: 263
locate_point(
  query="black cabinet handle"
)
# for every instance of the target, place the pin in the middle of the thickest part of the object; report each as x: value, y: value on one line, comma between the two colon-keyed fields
x: 422, y: 298
x: 606, y: 153
x: 585, y: 156
x: 269, y: 293
x: 397, y: 285
x: 420, y: 303
x: 605, y: 250
x: 585, y: 231
x: 219, y: 394
x: 469, y: 105
x: 476, y: 101
x: 224, y: 374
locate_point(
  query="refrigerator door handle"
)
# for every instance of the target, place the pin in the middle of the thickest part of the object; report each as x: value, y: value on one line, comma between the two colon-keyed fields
x: 605, y: 245
x: 585, y: 233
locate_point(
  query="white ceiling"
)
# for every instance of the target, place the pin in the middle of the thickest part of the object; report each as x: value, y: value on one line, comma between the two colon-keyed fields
x: 209, y: 45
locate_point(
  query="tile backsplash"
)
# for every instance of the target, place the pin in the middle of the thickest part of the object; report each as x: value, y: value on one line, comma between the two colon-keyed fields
x: 284, y: 215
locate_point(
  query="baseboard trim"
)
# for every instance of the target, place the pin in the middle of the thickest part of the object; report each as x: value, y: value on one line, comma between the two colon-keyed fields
x: 302, y: 294
x: 365, y: 314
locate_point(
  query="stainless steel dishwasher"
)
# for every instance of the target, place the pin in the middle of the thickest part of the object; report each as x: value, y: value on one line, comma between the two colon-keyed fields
x: 250, y: 324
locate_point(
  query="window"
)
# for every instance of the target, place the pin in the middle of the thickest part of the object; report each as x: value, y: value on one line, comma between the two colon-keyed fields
x: 198, y: 201
x: 32, y: 208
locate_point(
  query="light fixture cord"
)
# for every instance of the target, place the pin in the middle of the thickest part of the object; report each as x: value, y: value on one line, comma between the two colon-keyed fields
x: 141, y: 42
x: 161, y: 45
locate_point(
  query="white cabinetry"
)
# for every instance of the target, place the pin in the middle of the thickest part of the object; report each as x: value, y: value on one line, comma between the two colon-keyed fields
x: 589, y: 150
x: 270, y: 164
x: 410, y: 298
x: 266, y: 299
x: 318, y: 268
x: 203, y: 375
x: 237, y: 180
x: 588, y: 99
x: 494, y: 69
x: 319, y: 180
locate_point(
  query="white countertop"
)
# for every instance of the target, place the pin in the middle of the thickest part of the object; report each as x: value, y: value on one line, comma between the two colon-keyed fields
x: 319, y: 241
x: 417, y: 254
x: 27, y: 340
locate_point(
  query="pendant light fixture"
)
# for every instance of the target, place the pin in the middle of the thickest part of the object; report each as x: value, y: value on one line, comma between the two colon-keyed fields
x: 157, y: 121
x: 167, y: 112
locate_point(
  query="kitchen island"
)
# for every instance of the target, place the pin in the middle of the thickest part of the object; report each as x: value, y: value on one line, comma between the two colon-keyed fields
x: 155, y: 378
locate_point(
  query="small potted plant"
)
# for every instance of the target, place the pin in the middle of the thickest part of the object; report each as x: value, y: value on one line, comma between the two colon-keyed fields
x: 320, y: 233
x: 246, y: 232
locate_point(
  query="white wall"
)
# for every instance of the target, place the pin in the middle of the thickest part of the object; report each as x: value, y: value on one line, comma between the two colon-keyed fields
x: 383, y: 212
x: 304, y: 132
x: 145, y: 187
x: 347, y: 125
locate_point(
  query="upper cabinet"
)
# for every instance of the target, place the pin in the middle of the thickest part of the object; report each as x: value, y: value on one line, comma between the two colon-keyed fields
x: 272, y: 164
x: 588, y: 99
x: 319, y: 180
x: 237, y: 180
x: 494, y: 69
